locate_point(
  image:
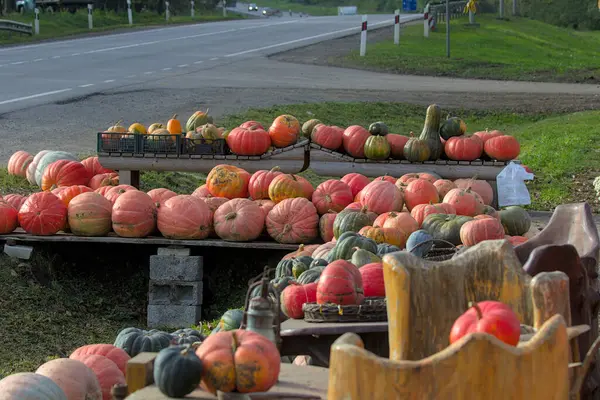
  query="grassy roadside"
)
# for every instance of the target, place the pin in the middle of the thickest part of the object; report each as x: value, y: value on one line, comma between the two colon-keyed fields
x: 519, y: 49
x: 62, y: 24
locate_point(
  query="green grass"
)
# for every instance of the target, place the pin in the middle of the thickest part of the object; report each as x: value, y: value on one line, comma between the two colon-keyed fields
x: 519, y: 49
x: 64, y: 23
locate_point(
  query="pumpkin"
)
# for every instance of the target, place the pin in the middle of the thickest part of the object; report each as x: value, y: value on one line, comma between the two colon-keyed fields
x: 428, y: 176
x: 134, y: 215
x: 347, y: 244
x: 239, y: 220
x: 516, y: 240
x: 106, y: 371
x: 89, y: 214
x: 340, y: 283
x: 265, y: 206
x: 382, y: 196
x: 293, y: 221
x: 301, y: 251
x: 177, y: 371
x: 481, y: 187
x: 311, y: 275
x: 197, y: 119
x: 397, y: 220
x: 184, y: 217
x: 465, y: 201
x: 323, y: 250
x: 430, y: 132
x: 308, y: 127
x: 31, y: 386
x: 451, y: 127
x: 352, y: 221
x: 115, y: 354
x: 9, y: 218
x: 481, y: 229
x: 397, y: 143
x: 331, y: 195
x: 239, y: 360
x: 43, y: 214
x: 393, y: 236
x: 228, y: 181
x: 187, y: 336
x: 414, y: 246
x: 288, y: 186
x: 155, y: 127
x: 294, y: 296
x: 284, y: 268
x: 48, y: 159
x: 114, y: 193
x: 160, y: 195
x: 329, y: 137
x: 356, y: 206
x: 18, y: 163
x: 252, y: 141
x: 416, y: 150
x: 356, y: 182
x: 30, y: 174
x: 174, y: 126
x: 77, y: 381
x: 135, y: 341
x: 137, y: 128
x: 445, y: 227
x: 284, y: 131
x: 326, y: 226
x: 377, y: 148
x: 464, y: 148
x: 372, y: 279
x: 491, y: 211
x: 418, y: 192
x: 486, y: 135
x: 420, y: 212
x: 386, y: 248
x: 64, y: 173
x: 230, y: 320
x: 502, y: 148
x: 491, y: 317
x: 117, y: 127
x: 516, y: 220
x: 443, y: 186
x: 378, y: 128
x: 298, y: 267
x: 258, y: 186
x: 354, y: 139
x: 201, y: 191
x: 102, y: 190
x: 15, y: 200
x: 104, y: 179
x: 66, y: 194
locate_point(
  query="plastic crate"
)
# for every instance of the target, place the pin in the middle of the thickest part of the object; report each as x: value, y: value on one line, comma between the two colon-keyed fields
x: 161, y: 144
x: 117, y: 142
x: 204, y: 146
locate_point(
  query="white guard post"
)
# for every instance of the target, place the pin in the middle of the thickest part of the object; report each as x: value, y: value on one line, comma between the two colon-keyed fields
x: 192, y: 8
x: 129, y: 15
x: 363, y: 36
x: 397, y: 27
x: 426, y: 21
x: 167, y: 13
x: 90, y: 21
x: 36, y: 23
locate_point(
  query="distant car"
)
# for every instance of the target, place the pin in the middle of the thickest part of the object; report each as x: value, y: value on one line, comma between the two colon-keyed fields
x: 267, y: 12
x: 252, y: 7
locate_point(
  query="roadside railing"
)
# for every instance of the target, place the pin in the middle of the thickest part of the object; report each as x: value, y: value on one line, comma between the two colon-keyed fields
x: 436, y: 12
x: 18, y: 27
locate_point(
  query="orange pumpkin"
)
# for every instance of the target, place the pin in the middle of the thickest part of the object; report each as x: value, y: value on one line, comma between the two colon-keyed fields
x: 480, y: 229
x: 502, y: 148
x: 115, y: 354
x: 228, y: 181
x: 114, y: 193
x: 104, y: 179
x: 134, y: 214
x: 483, y: 188
x: 90, y: 215
x: 160, y: 195
x: 64, y: 173
x: 106, y: 371
x: 185, y: 217
x: 465, y: 202
x: 69, y: 193
x: 18, y: 163
x: 443, y: 186
x: 201, y: 191
x: 407, y: 178
x: 9, y: 218
x: 394, y: 236
x: 464, y: 148
x: 293, y: 221
x: 174, y: 126
x: 284, y: 131
x: 239, y: 360
x: 73, y: 377
x: 420, y: 191
x: 93, y: 166
x: 423, y: 210
x: 289, y: 186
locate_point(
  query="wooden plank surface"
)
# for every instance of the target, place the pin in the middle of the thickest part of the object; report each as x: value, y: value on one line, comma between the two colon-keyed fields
x: 299, y: 327
x: 292, y: 379
x: 20, y: 236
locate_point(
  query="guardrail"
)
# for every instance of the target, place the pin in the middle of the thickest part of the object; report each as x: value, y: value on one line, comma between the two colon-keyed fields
x: 13, y: 26
x: 437, y: 12
x: 350, y: 10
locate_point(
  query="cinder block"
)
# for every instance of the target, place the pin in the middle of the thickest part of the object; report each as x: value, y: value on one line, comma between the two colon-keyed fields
x: 176, y: 268
x: 173, y: 316
x: 174, y: 251
x: 175, y: 293
x: 22, y: 252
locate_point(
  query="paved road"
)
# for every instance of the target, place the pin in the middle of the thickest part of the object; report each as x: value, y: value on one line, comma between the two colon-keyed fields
x: 36, y: 74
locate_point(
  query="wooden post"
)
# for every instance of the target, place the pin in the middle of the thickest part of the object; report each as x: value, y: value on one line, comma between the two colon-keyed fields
x: 129, y: 15
x: 363, y: 36
x: 397, y: 27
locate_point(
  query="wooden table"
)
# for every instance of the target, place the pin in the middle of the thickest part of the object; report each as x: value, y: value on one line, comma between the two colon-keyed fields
x: 315, y: 339
x: 292, y: 379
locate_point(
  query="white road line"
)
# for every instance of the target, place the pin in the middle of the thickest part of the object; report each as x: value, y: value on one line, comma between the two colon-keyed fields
x: 55, y: 57
x: 214, y: 58
x: 75, y: 54
x: 356, y: 28
x: 109, y: 81
x: 88, y: 85
x: 198, y: 62
x: 167, y: 69
x: 183, y: 65
x: 38, y: 60
x: 148, y: 73
x: 130, y: 76
x: 17, y: 63
x: 34, y: 96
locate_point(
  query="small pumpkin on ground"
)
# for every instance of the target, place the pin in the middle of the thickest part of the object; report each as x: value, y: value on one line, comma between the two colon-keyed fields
x: 177, y: 371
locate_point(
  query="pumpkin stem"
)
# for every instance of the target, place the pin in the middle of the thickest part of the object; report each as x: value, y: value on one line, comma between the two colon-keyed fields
x: 476, y: 307
x: 275, y: 168
x: 332, y: 211
x: 301, y: 247
x: 174, y: 116
x: 230, y: 215
x: 364, y: 209
x: 118, y: 122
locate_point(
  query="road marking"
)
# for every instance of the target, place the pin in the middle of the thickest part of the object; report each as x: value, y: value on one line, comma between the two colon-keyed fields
x: 183, y: 65
x: 55, y: 57
x: 301, y: 40
x: 214, y: 58
x: 75, y: 54
x: 17, y: 63
x: 167, y: 69
x: 88, y: 85
x: 198, y: 62
x: 38, y: 60
x: 109, y: 81
x: 148, y: 73
x: 34, y: 96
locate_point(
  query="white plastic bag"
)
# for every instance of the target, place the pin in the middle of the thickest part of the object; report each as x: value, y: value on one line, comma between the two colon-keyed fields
x: 512, y: 190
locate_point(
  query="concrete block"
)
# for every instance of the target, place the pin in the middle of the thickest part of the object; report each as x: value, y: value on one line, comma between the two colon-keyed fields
x: 175, y: 293
x: 173, y: 316
x: 176, y: 268
x: 22, y: 252
x: 174, y: 251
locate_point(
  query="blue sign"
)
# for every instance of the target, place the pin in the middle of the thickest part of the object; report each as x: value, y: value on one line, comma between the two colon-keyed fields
x: 411, y: 5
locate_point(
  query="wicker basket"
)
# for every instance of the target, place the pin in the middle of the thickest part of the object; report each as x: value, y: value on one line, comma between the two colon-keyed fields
x: 441, y: 250
x: 373, y: 309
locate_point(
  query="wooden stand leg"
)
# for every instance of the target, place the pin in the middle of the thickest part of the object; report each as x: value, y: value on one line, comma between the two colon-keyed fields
x: 129, y: 178
x: 495, y: 190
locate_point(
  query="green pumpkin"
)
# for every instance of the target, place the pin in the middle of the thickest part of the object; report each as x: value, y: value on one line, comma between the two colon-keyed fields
x: 451, y: 127
x: 135, y: 341
x: 445, y: 226
x: 305, y: 260
x: 378, y: 128
x: 377, y: 148
x: 308, y: 127
x: 232, y: 319
x: 187, y: 336
x: 310, y: 276
x: 416, y: 150
x: 177, y: 371
x: 284, y: 268
x: 385, y: 248
x: 298, y: 268
x: 363, y: 257
x: 318, y: 262
x: 198, y: 119
x: 352, y: 221
x: 346, y: 244
x: 431, y: 132
x: 516, y: 220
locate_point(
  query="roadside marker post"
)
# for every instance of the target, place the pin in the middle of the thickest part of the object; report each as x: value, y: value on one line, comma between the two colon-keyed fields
x: 129, y: 15
x: 192, y: 8
x: 363, y: 36
x: 36, y: 23
x: 397, y: 27
x: 224, y: 8
x: 90, y: 20
x: 167, y: 16
x: 426, y: 21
